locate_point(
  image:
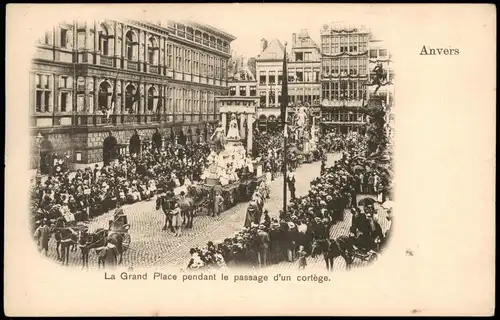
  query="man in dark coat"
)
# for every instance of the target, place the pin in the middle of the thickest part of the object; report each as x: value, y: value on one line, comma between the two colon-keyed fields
x: 157, y: 140
x: 135, y: 143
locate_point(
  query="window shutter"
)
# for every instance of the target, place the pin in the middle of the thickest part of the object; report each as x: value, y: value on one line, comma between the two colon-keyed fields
x: 61, y: 82
x: 69, y: 82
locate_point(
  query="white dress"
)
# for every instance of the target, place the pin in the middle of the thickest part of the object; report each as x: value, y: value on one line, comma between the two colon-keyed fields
x: 233, y: 132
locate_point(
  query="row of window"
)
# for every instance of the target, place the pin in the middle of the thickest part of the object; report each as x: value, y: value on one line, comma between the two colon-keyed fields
x: 351, y: 66
x: 273, y: 99
x: 44, y: 87
x: 343, y: 90
x: 182, y: 100
x: 198, y: 63
x: 178, y: 58
x: 376, y: 53
x: 294, y: 76
x: 199, y: 37
x: 188, y: 101
x: 341, y: 44
x: 243, y: 91
x: 303, y: 56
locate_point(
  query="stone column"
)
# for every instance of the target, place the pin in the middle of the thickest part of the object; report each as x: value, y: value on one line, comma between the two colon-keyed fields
x: 249, y: 134
x: 96, y: 44
x: 242, y: 127
x: 224, y: 122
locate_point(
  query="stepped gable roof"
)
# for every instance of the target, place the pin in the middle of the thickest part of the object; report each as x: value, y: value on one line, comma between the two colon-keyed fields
x: 304, y: 40
x: 274, y: 51
x: 243, y: 74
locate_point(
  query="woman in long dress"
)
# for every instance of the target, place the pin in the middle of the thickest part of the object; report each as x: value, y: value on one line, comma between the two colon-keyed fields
x: 233, y: 132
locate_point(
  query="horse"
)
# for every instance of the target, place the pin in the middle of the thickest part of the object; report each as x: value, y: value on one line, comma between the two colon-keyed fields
x: 331, y: 249
x: 166, y: 204
x: 88, y: 241
x: 200, y: 196
x: 115, y: 239
x: 66, y: 239
x: 187, y: 206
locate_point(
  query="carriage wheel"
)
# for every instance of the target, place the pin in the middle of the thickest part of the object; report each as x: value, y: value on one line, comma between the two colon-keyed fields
x: 126, y: 240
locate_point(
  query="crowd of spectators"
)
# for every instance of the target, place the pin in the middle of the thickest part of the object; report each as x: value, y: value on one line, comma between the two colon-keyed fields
x: 93, y: 191
x: 308, y: 219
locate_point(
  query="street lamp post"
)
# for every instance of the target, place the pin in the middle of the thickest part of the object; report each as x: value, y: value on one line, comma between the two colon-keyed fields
x: 39, y: 139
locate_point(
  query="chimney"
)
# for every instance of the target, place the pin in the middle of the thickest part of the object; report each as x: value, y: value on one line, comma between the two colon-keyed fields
x: 294, y: 39
x: 263, y: 44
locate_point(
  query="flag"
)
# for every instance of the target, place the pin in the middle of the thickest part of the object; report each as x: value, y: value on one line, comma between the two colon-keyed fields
x: 113, y: 98
x: 284, y: 93
x: 159, y: 105
x: 137, y: 95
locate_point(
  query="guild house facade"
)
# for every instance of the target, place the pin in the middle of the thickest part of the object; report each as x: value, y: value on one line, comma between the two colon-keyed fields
x: 90, y: 78
x: 303, y: 67
x: 344, y: 70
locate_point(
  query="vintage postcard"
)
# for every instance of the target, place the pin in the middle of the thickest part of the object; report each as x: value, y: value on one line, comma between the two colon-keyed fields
x: 250, y: 159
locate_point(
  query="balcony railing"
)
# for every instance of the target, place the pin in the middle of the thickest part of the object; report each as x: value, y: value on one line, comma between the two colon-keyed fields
x: 133, y: 66
x: 107, y: 61
x: 153, y: 69
x: 189, y: 36
x: 342, y: 103
x: 130, y: 118
x: 197, y: 39
x: 85, y: 120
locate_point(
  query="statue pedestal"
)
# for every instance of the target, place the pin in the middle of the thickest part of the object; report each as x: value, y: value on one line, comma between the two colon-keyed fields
x: 211, y: 181
x: 231, y: 143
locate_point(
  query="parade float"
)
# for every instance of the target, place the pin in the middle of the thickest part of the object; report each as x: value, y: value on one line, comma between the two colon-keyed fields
x: 231, y: 174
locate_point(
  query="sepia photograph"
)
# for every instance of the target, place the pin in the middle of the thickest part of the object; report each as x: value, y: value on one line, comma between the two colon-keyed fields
x: 157, y: 144
x: 166, y: 143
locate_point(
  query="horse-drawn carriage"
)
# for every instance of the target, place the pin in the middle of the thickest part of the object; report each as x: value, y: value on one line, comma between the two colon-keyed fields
x: 120, y: 226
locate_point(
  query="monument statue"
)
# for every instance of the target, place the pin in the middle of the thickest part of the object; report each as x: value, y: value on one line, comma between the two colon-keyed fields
x: 301, y: 117
x: 380, y: 78
x: 218, y: 137
x: 233, y: 133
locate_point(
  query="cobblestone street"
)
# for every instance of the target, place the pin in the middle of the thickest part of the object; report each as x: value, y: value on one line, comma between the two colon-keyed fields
x: 152, y: 247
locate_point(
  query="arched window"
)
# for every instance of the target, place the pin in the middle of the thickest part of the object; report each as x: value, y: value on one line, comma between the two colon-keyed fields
x: 152, y: 48
x: 152, y: 99
x: 131, y: 45
x: 103, y: 40
x: 104, y: 95
x: 129, y: 97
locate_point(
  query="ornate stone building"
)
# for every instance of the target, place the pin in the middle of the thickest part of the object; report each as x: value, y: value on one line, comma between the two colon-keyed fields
x: 304, y: 87
x: 91, y: 77
x: 344, y: 70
